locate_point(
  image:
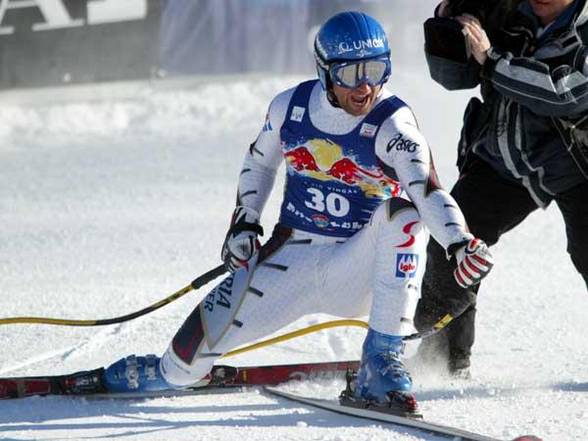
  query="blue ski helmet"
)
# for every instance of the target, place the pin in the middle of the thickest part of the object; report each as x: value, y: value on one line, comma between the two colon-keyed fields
x: 349, y: 37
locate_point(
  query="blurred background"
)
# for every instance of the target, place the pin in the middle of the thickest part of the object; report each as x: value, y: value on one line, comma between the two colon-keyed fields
x: 56, y: 42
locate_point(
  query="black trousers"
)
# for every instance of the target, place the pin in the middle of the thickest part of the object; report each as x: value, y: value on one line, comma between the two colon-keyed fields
x: 492, y: 206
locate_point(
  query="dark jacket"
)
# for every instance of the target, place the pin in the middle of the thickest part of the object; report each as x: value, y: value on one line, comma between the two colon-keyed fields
x: 529, y: 85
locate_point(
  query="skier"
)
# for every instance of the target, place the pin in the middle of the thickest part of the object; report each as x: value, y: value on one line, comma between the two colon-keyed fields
x: 361, y: 194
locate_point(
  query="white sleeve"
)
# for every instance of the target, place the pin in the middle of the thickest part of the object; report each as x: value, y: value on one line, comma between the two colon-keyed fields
x: 402, y: 147
x: 264, y: 157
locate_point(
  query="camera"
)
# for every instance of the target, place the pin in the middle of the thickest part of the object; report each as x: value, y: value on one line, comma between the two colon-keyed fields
x: 477, y: 8
x: 491, y: 13
x: 443, y: 35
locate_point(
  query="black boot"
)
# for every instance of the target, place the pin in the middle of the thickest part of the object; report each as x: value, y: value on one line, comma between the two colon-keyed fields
x: 459, y: 365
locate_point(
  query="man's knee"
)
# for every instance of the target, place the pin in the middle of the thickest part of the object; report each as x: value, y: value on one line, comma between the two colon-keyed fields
x: 400, y: 215
x: 208, y: 332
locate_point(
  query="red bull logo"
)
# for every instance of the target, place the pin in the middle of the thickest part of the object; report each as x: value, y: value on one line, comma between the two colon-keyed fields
x: 324, y: 160
x: 301, y: 159
x: 349, y: 172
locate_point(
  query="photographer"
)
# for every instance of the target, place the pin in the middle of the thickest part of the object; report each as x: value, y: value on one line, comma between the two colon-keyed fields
x: 522, y: 146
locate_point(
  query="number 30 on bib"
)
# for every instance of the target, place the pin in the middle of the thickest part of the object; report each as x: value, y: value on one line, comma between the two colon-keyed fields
x: 333, y: 203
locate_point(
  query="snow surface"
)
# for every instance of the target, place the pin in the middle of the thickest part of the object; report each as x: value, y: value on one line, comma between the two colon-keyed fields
x: 108, y: 205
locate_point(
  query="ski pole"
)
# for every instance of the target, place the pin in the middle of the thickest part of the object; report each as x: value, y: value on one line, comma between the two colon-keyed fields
x: 441, y: 323
x: 444, y: 321
x: 195, y: 284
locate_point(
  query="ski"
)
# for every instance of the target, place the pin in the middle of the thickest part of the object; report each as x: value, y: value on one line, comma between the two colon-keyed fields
x: 89, y: 383
x: 420, y: 424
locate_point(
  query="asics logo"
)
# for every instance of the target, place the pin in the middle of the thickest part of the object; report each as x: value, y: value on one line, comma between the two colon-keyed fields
x: 401, y: 144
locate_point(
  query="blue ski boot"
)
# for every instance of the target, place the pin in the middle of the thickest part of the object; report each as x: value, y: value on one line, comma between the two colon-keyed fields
x: 382, y: 382
x: 135, y: 374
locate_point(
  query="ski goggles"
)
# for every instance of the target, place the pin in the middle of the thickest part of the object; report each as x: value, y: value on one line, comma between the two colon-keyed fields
x: 351, y: 74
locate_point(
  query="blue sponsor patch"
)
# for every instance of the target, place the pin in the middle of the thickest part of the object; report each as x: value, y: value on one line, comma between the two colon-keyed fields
x: 406, y: 265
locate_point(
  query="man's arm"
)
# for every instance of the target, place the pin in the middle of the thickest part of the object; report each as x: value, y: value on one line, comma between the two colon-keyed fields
x: 405, y: 154
x: 402, y: 149
x: 550, y: 90
x: 263, y: 158
x: 451, y: 74
x: 447, y: 54
x: 256, y: 181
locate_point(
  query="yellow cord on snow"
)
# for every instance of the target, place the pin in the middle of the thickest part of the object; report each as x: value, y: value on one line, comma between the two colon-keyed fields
x: 109, y: 321
x: 298, y: 333
x: 46, y: 321
x: 261, y: 344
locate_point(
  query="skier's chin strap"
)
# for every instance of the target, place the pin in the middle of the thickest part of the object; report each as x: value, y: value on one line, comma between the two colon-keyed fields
x: 331, y: 95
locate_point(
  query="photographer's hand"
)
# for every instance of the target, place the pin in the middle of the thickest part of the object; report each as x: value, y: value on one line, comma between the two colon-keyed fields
x: 475, y: 36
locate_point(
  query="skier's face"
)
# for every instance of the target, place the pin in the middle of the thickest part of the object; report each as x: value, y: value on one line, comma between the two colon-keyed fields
x: 357, y: 101
x: 549, y: 10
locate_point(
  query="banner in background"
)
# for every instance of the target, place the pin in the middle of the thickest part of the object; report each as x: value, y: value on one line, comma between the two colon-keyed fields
x: 228, y: 36
x: 52, y: 42
x: 56, y: 42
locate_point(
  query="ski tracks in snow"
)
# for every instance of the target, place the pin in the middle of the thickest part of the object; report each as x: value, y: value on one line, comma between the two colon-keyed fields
x: 57, y: 357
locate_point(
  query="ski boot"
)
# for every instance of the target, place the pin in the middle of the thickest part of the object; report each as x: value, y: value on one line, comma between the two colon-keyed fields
x: 135, y: 374
x: 382, y: 382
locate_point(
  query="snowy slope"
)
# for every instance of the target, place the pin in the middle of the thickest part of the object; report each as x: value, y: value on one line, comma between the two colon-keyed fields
x: 109, y: 205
